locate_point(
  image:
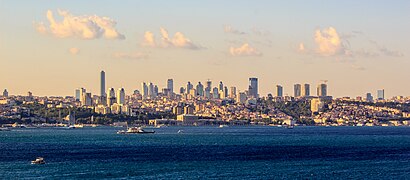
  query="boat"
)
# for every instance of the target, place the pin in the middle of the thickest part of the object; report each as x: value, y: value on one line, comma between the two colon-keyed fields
x: 180, y: 131
x: 223, y: 126
x: 135, y: 130
x: 38, y: 160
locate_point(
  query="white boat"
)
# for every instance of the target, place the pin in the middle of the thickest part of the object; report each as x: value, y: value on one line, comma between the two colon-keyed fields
x: 180, y: 131
x: 135, y: 130
x: 38, y: 160
x: 223, y: 126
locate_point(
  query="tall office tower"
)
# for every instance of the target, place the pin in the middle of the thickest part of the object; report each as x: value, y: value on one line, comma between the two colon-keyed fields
x: 102, y: 83
x: 5, y: 93
x: 369, y: 97
x: 110, y: 97
x: 208, y: 89
x: 322, y: 90
x: 305, y: 90
x: 232, y: 93
x: 181, y: 90
x: 144, y: 90
x: 221, y: 86
x: 225, y: 92
x: 121, y: 96
x: 380, y: 94
x: 155, y: 94
x: 253, y: 87
x: 170, y: 85
x: 241, y: 98
x: 215, y: 93
x: 189, y: 86
x: 77, y: 94
x: 279, y: 91
x: 88, y: 99
x: 297, y: 89
x: 81, y: 95
x: 200, y: 89
x: 151, y: 90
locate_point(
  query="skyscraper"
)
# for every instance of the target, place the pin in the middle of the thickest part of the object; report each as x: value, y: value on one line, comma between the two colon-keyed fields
x: 305, y: 90
x: 121, y: 96
x: 144, y: 90
x: 253, y: 87
x: 221, y: 86
x: 170, y: 85
x: 322, y: 90
x: 215, y: 93
x: 5, y: 93
x: 151, y: 90
x: 279, y: 91
x: 102, y: 88
x: 380, y: 94
x: 297, y: 89
x: 208, y: 89
x: 232, y: 93
x: 369, y: 97
x: 200, y: 89
x: 110, y: 97
x: 189, y: 86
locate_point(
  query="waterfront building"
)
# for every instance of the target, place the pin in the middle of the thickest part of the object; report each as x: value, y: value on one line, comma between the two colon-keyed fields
x: 316, y: 105
x: 110, y: 97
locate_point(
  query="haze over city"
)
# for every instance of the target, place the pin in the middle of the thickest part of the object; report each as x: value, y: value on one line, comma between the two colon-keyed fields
x: 52, y: 48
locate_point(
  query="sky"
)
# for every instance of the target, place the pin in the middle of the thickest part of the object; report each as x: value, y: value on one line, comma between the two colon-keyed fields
x: 52, y: 47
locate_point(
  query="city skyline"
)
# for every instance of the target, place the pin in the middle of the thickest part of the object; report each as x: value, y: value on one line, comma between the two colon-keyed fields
x: 355, y: 52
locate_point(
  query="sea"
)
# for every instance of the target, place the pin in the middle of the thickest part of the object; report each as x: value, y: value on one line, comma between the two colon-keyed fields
x: 209, y: 152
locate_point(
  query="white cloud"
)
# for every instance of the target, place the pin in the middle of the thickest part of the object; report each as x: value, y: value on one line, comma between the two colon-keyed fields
x: 74, y: 51
x: 388, y: 52
x: 81, y: 27
x: 329, y: 42
x: 135, y: 56
x: 230, y: 29
x: 177, y: 41
x: 244, y: 50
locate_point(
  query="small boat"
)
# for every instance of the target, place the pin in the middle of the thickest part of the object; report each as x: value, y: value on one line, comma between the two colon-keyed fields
x: 39, y: 160
x: 180, y: 131
x: 135, y: 130
x: 223, y: 126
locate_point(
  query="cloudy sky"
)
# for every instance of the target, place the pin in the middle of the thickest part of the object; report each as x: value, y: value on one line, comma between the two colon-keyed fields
x: 51, y: 48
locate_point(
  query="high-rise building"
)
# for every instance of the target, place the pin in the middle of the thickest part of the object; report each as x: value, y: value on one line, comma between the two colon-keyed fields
x: 232, y: 93
x: 102, y: 83
x: 221, y: 86
x: 322, y: 90
x: 200, y: 89
x: 77, y: 94
x: 279, y: 91
x: 215, y: 93
x: 189, y: 86
x: 5, y: 93
x: 297, y: 90
x: 253, y: 87
x: 181, y: 90
x: 170, y: 85
x: 110, y: 97
x: 156, y: 90
x: 121, y: 96
x: 305, y: 90
x: 208, y: 89
x: 241, y: 98
x: 144, y: 90
x: 369, y: 97
x: 151, y: 90
x: 225, y: 92
x: 380, y: 94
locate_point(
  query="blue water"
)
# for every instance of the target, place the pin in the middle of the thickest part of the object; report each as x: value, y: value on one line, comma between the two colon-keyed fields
x: 208, y: 152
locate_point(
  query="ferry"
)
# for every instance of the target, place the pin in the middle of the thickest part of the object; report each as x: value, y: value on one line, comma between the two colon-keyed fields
x: 223, y: 126
x: 39, y: 160
x: 135, y: 130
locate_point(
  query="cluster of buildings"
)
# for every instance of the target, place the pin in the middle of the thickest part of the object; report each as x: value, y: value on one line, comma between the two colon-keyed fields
x: 209, y: 104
